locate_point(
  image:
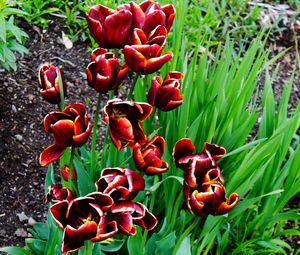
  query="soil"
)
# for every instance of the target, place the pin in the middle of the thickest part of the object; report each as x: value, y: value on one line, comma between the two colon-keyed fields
x: 22, y: 137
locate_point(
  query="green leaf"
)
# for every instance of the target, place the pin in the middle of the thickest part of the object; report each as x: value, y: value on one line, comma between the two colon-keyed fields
x: 185, y: 247
x: 166, y: 244
x: 112, y: 247
x: 84, y: 180
x: 50, y: 178
x: 36, y: 246
x: 15, y: 250
x: 42, y: 230
x: 134, y: 244
x: 156, y: 186
x: 2, y: 28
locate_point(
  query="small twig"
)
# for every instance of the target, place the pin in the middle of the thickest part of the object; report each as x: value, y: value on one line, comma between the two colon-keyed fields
x: 44, y: 51
x: 64, y: 60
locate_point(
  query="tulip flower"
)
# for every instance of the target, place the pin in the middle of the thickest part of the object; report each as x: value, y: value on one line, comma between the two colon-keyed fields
x: 110, y: 28
x: 147, y: 157
x: 124, y: 119
x: 209, y: 198
x: 120, y: 183
x: 148, y: 15
x: 49, y: 78
x: 65, y: 173
x: 143, y: 56
x: 165, y: 95
x: 156, y: 15
x: 57, y: 193
x: 70, y: 128
x: 195, y: 166
x: 104, y: 73
x: 128, y: 213
x: 84, y: 218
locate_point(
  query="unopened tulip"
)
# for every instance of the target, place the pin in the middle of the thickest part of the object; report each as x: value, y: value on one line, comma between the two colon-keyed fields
x: 166, y: 95
x: 104, y: 72
x: 49, y: 79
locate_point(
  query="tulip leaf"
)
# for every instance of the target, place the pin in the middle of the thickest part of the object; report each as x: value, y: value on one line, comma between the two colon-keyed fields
x: 2, y: 28
x: 50, y: 179
x: 112, y: 247
x: 84, y: 179
x: 185, y: 247
x: 15, y: 250
x: 156, y: 186
x: 134, y: 244
x: 37, y: 246
x: 166, y: 244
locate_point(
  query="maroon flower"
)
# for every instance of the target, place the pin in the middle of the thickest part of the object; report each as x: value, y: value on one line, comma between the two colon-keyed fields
x: 195, y: 166
x: 144, y: 53
x: 156, y: 15
x: 209, y: 198
x: 128, y: 213
x: 165, y: 95
x: 124, y: 119
x: 49, y: 79
x: 70, y: 128
x: 83, y: 219
x: 65, y: 173
x: 120, y: 183
x: 56, y: 193
x: 110, y: 28
x: 147, y: 157
x: 104, y: 73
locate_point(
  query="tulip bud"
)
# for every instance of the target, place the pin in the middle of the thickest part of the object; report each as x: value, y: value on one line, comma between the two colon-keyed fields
x: 65, y: 173
x: 49, y: 78
x: 165, y: 95
x: 104, y: 73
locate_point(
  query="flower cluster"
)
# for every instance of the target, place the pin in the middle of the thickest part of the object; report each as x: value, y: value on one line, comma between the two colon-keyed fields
x: 101, y: 214
x: 203, y: 182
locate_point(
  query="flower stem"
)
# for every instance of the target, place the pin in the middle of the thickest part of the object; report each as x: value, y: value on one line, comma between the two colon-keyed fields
x: 130, y: 95
x: 61, y: 92
x: 94, y: 138
x: 71, y: 184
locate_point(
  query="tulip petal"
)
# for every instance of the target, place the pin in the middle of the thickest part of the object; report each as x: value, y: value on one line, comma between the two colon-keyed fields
x: 63, y: 131
x: 105, y: 230
x: 51, y: 154
x: 82, y: 138
x: 51, y: 95
x: 58, y: 212
x: 184, y: 147
x: 134, y: 59
x: 231, y: 202
x: 214, y: 150
x: 73, y: 239
x: 138, y: 15
x: 154, y: 64
x: 117, y: 27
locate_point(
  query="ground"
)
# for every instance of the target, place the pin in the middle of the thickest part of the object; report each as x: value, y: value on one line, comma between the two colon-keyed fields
x: 22, y: 137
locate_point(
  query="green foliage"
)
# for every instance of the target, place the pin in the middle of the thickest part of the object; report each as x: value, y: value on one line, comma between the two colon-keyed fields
x: 11, y: 36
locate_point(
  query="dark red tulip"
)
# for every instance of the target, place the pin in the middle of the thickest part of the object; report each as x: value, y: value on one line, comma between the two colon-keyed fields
x: 128, y: 213
x: 124, y: 119
x: 104, y: 73
x: 120, y: 183
x: 144, y: 55
x: 110, y: 28
x: 209, y: 198
x: 49, y: 79
x: 156, y: 15
x: 84, y: 218
x: 195, y: 166
x: 165, y: 95
x: 65, y: 173
x: 147, y: 157
x: 70, y: 128
x: 57, y: 193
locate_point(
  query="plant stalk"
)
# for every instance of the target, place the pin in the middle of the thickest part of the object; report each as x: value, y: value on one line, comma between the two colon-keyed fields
x: 61, y: 92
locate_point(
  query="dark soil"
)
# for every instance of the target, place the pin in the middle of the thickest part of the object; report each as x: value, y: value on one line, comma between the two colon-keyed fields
x: 22, y: 137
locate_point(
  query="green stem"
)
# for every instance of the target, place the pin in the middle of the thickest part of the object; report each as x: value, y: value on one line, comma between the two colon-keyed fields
x: 130, y: 95
x: 88, y: 247
x: 61, y: 92
x: 71, y: 184
x: 151, y: 206
x: 94, y: 138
